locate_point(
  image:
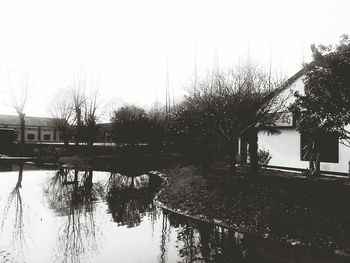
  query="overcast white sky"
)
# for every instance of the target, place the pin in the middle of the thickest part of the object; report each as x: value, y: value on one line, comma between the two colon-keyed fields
x: 127, y: 43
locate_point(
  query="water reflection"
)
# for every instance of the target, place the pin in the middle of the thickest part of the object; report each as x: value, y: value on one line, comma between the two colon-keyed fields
x: 201, y: 242
x: 197, y: 241
x: 72, y: 194
x: 82, y: 212
x: 129, y: 198
x: 12, y: 216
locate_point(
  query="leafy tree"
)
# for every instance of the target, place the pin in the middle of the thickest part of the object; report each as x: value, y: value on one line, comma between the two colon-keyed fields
x: 324, y: 107
x: 134, y: 125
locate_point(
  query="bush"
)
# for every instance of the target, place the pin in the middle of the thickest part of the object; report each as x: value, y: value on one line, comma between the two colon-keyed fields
x: 46, y: 155
x: 264, y: 157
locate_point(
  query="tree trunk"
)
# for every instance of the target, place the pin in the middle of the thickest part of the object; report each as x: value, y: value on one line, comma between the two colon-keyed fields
x: 233, y: 150
x: 243, y: 149
x: 253, y: 151
x: 20, y: 176
x: 78, y: 128
x: 317, y: 165
x: 22, y: 122
x: 76, y: 176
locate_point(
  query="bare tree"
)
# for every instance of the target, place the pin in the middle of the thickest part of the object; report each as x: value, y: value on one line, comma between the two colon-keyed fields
x: 62, y: 113
x: 92, y: 104
x: 19, y: 101
x: 227, y: 105
x: 76, y: 86
x: 83, y: 93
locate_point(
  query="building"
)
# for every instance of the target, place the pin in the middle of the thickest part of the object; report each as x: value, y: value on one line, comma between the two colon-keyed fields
x: 288, y: 148
x: 37, y: 129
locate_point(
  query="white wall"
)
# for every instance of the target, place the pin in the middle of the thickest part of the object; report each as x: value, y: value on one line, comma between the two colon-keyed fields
x: 26, y: 132
x: 285, y: 151
x: 284, y: 148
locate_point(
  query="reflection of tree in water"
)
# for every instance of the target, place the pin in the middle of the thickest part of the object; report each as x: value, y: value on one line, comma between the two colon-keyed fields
x: 202, y: 242
x: 72, y: 194
x: 165, y: 237
x: 130, y: 197
x: 15, y: 203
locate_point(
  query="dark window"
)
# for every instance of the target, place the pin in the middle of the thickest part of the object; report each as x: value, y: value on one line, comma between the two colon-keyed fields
x: 47, y: 137
x: 327, y: 144
x: 30, y: 136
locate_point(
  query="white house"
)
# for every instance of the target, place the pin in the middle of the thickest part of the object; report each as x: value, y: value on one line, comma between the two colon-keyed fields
x: 286, y: 148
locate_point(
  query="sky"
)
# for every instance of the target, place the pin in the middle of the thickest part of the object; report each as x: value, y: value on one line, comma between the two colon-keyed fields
x: 129, y: 45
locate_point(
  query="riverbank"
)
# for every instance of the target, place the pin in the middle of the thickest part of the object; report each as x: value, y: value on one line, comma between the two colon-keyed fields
x: 293, y: 210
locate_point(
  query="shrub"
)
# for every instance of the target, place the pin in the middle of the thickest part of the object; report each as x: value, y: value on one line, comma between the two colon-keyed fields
x: 264, y: 157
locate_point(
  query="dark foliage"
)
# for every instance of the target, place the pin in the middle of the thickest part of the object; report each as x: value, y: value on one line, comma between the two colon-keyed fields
x: 325, y: 106
x: 227, y: 106
x: 132, y: 125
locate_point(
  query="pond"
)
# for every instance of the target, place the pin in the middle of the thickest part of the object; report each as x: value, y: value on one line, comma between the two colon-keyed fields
x: 68, y: 215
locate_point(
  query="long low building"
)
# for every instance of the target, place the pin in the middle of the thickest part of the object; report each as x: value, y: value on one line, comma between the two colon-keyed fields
x: 37, y: 129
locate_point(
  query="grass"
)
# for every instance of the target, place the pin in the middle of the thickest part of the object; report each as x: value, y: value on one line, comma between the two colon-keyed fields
x: 292, y: 210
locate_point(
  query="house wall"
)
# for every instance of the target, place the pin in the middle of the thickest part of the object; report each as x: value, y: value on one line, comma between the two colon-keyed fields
x: 285, y: 151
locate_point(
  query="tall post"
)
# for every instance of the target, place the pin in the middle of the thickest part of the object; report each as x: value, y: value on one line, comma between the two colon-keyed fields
x: 253, y: 151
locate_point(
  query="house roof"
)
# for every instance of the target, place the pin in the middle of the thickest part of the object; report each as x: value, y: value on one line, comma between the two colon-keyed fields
x: 13, y: 120
x: 297, y: 75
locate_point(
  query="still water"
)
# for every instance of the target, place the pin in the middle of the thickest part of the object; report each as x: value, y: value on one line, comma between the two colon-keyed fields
x: 68, y: 215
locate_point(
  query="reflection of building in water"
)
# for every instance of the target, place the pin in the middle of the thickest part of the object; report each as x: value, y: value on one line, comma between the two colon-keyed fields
x: 37, y: 129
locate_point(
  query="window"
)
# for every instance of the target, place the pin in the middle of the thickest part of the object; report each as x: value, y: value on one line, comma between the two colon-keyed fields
x: 47, y: 137
x: 30, y: 136
x: 327, y: 144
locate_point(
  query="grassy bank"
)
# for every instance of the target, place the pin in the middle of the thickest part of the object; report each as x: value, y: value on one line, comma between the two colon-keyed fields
x: 292, y: 210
